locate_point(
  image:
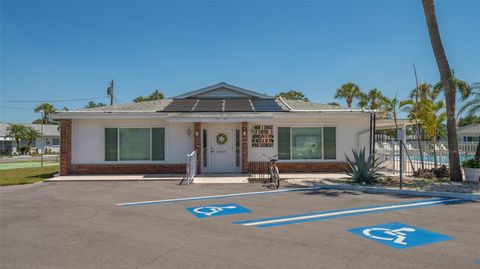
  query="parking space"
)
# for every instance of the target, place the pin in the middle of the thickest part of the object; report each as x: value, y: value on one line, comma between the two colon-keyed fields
x: 88, y: 225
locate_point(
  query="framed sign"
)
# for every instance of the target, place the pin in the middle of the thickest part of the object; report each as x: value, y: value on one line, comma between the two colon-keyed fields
x: 262, y: 136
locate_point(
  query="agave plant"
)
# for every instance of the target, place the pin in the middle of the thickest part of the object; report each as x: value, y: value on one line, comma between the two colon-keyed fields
x: 362, y: 169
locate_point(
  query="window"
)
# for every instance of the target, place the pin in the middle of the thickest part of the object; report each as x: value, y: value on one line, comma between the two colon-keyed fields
x: 134, y: 144
x: 55, y: 141
x: 307, y: 143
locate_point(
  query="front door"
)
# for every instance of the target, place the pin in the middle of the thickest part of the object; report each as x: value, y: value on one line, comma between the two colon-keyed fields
x: 221, y: 148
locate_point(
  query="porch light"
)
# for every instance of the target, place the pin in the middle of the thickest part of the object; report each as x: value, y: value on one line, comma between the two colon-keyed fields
x: 189, y: 132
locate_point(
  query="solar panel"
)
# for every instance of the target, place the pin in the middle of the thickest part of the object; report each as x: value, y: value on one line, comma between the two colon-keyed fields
x: 266, y: 105
x: 181, y: 105
x: 209, y: 105
x: 238, y: 105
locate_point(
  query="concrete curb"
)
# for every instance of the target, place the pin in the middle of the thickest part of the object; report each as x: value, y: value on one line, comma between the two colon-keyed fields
x: 465, y: 196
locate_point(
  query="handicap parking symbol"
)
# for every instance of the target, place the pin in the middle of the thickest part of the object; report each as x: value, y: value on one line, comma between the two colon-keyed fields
x: 217, y: 210
x: 399, y: 236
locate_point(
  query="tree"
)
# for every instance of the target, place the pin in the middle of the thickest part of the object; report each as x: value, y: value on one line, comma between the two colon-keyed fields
x: 391, y: 107
x: 459, y: 86
x: 65, y: 108
x: 92, y: 104
x: 448, y: 88
x: 30, y: 135
x: 333, y: 104
x: 17, y: 132
x: 472, y: 104
x: 424, y: 91
x: 468, y: 120
x: 156, y: 95
x: 47, y: 110
x: 37, y: 121
x: 433, y: 119
x: 293, y: 95
x: 372, y: 99
x: 348, y: 91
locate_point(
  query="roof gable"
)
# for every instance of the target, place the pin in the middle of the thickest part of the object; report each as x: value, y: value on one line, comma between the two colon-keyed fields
x: 222, y: 90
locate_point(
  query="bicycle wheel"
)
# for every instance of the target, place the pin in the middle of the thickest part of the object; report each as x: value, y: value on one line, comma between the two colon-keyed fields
x: 276, y: 177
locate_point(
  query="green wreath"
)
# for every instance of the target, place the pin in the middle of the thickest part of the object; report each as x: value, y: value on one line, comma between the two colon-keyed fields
x: 222, y: 138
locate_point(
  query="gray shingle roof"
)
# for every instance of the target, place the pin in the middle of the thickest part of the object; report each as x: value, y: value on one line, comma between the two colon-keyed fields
x: 156, y: 105
x: 301, y: 105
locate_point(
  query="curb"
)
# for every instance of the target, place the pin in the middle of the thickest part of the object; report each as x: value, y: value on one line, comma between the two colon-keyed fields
x: 465, y: 196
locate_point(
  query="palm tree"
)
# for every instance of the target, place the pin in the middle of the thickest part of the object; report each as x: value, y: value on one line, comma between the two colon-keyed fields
x: 424, y: 91
x: 293, y: 95
x: 472, y: 104
x: 433, y: 120
x: 459, y: 86
x: 448, y: 88
x: 30, y: 135
x: 17, y: 132
x: 47, y: 110
x: 372, y: 99
x: 348, y: 91
x: 390, y: 106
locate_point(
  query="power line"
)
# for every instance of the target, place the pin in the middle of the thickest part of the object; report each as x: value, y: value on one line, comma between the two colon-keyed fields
x: 17, y: 108
x: 54, y: 101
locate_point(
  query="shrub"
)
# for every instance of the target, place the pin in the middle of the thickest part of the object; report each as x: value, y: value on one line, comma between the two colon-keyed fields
x: 472, y: 163
x: 364, y: 170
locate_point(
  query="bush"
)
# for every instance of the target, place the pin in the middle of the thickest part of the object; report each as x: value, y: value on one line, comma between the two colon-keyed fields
x: 364, y: 170
x: 472, y: 163
x: 439, y: 172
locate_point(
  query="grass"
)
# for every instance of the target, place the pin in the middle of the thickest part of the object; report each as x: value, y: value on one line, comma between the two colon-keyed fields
x: 26, y: 175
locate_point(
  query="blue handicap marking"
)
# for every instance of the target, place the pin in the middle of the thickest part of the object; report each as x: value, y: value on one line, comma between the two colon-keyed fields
x: 217, y: 210
x: 398, y: 235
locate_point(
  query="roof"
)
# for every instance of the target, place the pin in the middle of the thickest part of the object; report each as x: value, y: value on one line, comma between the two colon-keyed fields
x: 156, y: 105
x: 469, y: 129
x: 48, y: 129
x: 222, y: 90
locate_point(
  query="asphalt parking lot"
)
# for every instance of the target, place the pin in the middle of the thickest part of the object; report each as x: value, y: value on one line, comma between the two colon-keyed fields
x: 81, y: 225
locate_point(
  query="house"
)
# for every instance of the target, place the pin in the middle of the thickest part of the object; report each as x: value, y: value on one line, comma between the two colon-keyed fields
x: 469, y: 133
x: 50, y: 141
x: 229, y: 127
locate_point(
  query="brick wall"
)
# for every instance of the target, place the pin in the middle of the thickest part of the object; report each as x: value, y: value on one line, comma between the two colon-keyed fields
x: 197, y: 135
x: 79, y: 169
x: 244, y: 147
x: 65, y: 146
x: 311, y: 167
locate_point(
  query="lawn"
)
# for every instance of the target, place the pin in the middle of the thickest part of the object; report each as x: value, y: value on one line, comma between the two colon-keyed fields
x: 26, y: 175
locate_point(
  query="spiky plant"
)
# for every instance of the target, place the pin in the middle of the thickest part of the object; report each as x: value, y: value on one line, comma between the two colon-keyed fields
x: 363, y: 169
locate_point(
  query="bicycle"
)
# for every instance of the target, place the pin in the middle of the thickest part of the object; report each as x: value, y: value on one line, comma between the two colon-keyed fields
x: 274, y: 175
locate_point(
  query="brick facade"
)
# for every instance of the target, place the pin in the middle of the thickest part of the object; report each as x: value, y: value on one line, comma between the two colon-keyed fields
x: 314, y: 167
x: 79, y: 169
x: 197, y: 144
x: 65, y: 146
x: 244, y: 147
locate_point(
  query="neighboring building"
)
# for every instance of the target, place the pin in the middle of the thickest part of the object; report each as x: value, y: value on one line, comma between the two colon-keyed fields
x: 469, y: 133
x: 229, y: 127
x: 51, y: 138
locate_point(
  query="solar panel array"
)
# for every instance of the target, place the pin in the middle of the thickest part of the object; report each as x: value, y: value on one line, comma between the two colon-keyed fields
x: 220, y: 105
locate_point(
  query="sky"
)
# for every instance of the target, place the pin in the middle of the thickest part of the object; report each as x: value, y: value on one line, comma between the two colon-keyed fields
x: 63, y: 50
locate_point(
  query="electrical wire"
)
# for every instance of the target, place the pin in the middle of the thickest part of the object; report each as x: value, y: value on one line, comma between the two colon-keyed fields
x: 54, y: 101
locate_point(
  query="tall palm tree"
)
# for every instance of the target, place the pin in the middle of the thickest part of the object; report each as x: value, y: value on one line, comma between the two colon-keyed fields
x: 459, y: 86
x: 17, y: 132
x: 47, y: 109
x: 448, y: 88
x: 372, y: 99
x: 424, y: 91
x: 348, y: 91
x: 472, y: 104
x: 391, y: 106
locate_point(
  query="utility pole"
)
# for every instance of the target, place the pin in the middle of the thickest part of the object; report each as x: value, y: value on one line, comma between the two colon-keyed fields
x: 156, y: 94
x: 110, y: 92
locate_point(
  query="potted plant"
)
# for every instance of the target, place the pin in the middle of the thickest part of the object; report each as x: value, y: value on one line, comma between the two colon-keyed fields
x: 471, y: 169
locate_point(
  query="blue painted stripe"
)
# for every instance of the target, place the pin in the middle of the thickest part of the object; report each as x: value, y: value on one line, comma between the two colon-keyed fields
x: 415, y: 204
x: 179, y: 200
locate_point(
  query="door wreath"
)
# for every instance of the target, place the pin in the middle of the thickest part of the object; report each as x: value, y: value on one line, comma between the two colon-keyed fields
x: 222, y: 138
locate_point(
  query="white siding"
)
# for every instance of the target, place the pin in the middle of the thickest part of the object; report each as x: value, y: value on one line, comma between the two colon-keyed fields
x: 88, y: 139
x: 348, y: 131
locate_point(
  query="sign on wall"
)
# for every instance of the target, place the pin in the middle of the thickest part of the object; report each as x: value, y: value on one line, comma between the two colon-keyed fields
x: 262, y: 136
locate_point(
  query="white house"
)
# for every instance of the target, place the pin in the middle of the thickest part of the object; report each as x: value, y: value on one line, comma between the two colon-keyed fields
x: 469, y: 133
x: 50, y: 141
x: 229, y: 127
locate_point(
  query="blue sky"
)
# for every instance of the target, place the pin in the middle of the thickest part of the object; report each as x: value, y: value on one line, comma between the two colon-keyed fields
x: 72, y: 49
